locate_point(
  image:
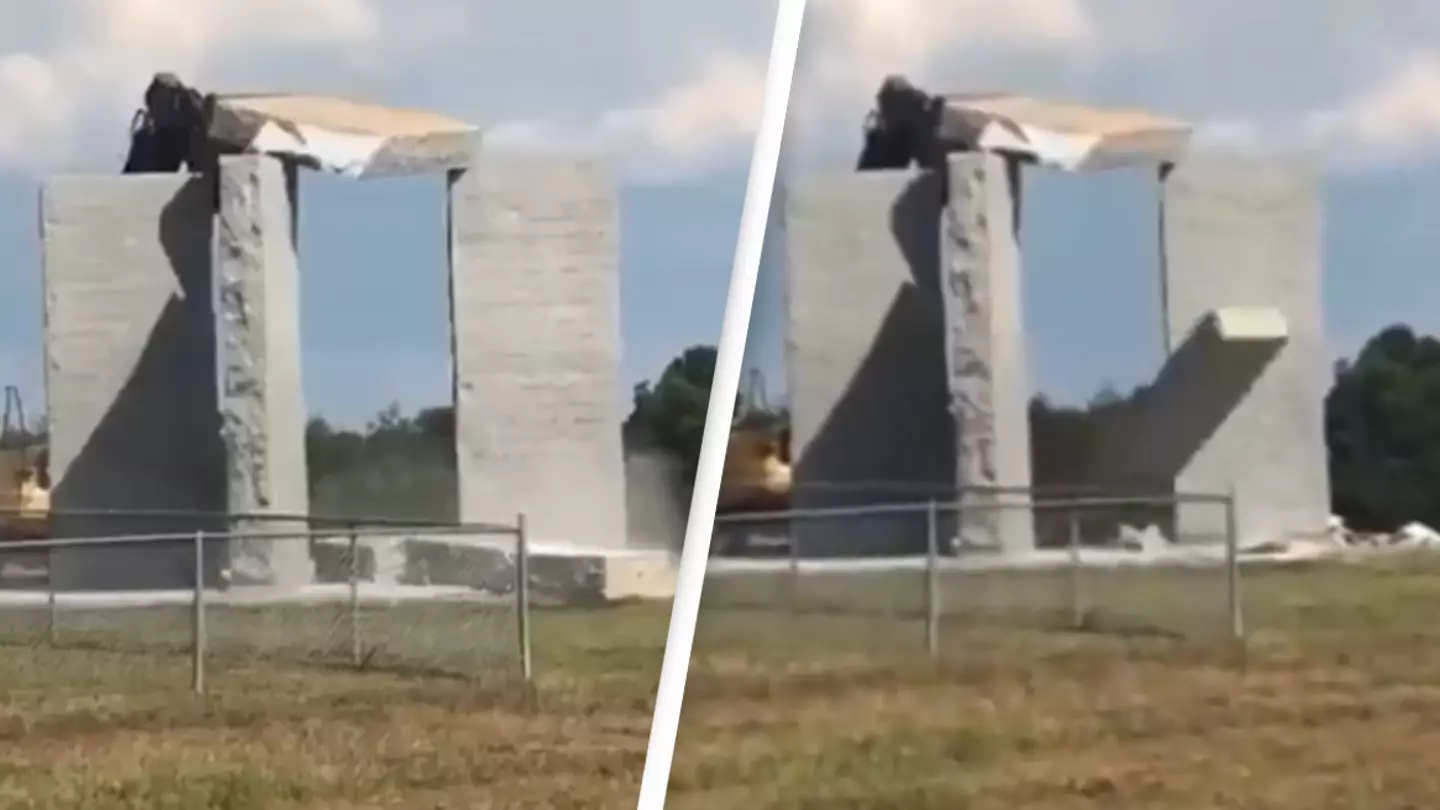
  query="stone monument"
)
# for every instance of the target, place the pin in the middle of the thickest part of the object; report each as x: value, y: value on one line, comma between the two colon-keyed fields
x: 906, y: 343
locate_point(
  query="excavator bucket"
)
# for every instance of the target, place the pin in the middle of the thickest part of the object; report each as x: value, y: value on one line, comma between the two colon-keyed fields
x: 908, y: 127
x: 168, y: 132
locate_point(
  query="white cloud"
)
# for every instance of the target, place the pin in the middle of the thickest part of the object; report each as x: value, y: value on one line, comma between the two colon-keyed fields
x: 697, y: 118
x: 1358, y: 79
x: 680, y: 99
x: 685, y: 129
x: 860, y: 40
x: 1393, y: 119
x: 1397, y: 116
x: 102, y: 63
x: 851, y: 45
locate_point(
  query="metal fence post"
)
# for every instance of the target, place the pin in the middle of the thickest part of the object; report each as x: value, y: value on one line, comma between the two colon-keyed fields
x: 51, y: 598
x: 1232, y: 570
x: 356, y: 648
x: 932, y: 581
x: 522, y: 595
x: 1077, y: 592
x: 197, y: 643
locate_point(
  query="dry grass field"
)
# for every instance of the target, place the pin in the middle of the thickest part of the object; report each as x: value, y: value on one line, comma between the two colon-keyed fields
x: 89, y: 726
x: 1334, y: 702
x: 817, y: 696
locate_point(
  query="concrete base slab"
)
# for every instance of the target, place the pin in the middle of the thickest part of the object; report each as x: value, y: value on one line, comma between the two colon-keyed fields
x: 647, y: 575
x: 559, y: 575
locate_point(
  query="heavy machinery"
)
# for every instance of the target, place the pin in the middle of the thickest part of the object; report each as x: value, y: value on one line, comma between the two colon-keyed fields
x: 24, y: 479
x: 756, y: 479
x: 909, y: 127
x: 171, y: 130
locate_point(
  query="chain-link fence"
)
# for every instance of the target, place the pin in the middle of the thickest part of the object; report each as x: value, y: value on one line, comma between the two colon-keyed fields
x: 918, y: 573
x: 371, y: 594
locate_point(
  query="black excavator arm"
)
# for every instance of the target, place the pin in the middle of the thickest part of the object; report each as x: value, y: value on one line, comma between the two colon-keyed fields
x: 902, y: 130
x: 908, y: 127
x: 170, y: 132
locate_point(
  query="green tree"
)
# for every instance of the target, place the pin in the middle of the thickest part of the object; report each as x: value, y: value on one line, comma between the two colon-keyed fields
x: 1066, y: 440
x: 1382, y: 421
x: 399, y: 466
x: 670, y: 413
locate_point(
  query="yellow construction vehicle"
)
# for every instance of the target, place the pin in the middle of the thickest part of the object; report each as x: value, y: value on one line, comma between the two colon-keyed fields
x: 757, y: 475
x: 24, y: 480
x: 757, y: 479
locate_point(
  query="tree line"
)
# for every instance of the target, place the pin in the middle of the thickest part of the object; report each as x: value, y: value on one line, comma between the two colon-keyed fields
x: 1382, y: 427
x: 1382, y: 432
x: 403, y: 465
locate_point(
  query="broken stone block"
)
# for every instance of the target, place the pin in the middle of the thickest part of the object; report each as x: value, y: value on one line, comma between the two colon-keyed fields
x: 340, y: 136
x: 1061, y: 135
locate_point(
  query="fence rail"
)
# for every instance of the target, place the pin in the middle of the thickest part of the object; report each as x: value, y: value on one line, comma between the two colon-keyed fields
x: 1097, y: 563
x: 360, y: 593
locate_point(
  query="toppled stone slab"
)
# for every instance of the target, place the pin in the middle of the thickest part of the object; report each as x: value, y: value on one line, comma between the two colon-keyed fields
x: 1061, y: 135
x: 1194, y: 393
x: 568, y: 577
x: 1252, y: 324
x: 341, y: 136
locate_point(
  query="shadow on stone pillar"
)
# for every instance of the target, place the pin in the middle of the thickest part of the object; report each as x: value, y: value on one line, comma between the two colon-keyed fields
x: 130, y: 373
x: 865, y: 358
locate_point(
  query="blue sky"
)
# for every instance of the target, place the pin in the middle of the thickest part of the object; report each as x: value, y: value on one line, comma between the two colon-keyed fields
x: 1356, y: 80
x: 668, y: 95
x: 670, y: 92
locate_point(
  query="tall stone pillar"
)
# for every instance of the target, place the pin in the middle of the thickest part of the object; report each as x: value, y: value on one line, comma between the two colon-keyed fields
x: 986, y: 362
x: 535, y: 301
x: 262, y: 402
x: 1244, y: 234
x: 865, y: 359
x: 130, y: 374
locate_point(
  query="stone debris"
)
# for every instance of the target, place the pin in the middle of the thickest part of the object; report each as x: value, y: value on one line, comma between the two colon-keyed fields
x: 1417, y: 535
x: 1411, y: 536
x: 1151, y: 545
x: 1148, y: 540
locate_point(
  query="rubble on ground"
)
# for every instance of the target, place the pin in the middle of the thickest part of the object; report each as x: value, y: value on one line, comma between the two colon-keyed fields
x: 1336, y: 539
x: 1150, y: 545
x: 1148, y: 540
x: 1413, y: 535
